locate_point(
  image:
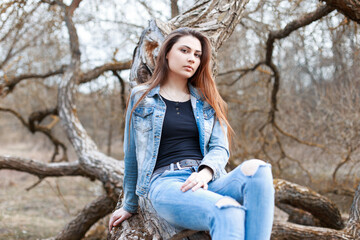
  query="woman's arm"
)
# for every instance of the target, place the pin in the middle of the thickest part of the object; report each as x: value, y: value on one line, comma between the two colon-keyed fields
x: 218, y: 151
x: 130, y: 201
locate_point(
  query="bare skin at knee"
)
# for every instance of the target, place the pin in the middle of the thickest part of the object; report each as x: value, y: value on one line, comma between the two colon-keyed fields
x: 250, y: 167
x: 227, y: 201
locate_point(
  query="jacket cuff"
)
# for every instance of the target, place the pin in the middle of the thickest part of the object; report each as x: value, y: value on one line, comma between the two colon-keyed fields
x: 130, y: 209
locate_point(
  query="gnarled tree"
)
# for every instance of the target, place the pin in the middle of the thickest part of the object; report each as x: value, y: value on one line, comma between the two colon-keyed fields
x: 217, y: 19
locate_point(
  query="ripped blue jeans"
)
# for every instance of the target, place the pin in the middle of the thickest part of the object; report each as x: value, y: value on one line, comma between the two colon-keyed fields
x: 215, y: 210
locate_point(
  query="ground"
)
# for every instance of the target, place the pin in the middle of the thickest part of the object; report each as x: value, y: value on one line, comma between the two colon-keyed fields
x: 44, y: 210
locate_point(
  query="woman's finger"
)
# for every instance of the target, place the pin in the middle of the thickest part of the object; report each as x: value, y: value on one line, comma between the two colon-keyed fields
x: 110, y: 223
x: 189, y: 183
x: 118, y: 221
x: 198, y: 185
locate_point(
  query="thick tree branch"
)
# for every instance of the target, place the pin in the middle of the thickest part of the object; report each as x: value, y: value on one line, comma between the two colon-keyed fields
x: 217, y: 19
x: 7, y: 85
x: 92, y: 212
x: 273, y: 35
x: 293, y: 26
x: 304, y: 198
x: 299, y: 216
x: 39, y: 116
x: 73, y: 6
x: 96, y: 72
x: 350, y: 8
x: 174, y: 8
x: 42, y: 170
x: 291, y: 231
x: 46, y: 130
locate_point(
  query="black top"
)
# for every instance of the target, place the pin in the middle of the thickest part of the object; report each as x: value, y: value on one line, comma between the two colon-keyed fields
x: 180, y: 136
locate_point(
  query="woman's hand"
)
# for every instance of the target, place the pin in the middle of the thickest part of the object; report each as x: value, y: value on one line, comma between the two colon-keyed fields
x: 198, y: 180
x: 117, y: 217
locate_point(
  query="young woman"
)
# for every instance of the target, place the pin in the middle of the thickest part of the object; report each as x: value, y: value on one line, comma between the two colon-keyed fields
x: 176, y: 148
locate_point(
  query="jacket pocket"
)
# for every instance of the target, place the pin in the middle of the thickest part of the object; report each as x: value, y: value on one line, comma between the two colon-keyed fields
x: 143, y: 118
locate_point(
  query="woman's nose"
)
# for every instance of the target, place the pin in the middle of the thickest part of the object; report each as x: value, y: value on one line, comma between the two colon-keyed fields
x: 191, y: 59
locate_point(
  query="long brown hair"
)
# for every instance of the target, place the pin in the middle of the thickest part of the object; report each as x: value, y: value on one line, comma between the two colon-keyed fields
x: 202, y: 78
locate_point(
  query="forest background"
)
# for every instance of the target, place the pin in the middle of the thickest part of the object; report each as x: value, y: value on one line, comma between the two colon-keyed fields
x: 313, y: 139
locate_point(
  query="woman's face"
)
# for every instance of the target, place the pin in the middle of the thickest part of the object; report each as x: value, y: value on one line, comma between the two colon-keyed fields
x: 184, y: 57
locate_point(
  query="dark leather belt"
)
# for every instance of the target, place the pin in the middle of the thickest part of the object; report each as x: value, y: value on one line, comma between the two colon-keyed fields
x: 187, y: 163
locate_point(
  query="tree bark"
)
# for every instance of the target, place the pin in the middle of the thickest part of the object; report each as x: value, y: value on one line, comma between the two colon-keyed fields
x: 353, y: 224
x: 174, y: 8
x: 350, y: 8
x: 304, y: 198
x: 291, y: 231
x: 77, y: 228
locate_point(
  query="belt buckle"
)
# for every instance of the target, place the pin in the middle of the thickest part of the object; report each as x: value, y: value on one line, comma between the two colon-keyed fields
x: 178, y: 165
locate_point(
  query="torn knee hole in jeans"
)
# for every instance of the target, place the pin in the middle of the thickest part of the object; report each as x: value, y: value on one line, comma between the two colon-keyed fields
x: 227, y: 202
x: 250, y: 167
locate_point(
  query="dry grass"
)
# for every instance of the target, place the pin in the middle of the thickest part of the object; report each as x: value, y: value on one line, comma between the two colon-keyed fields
x: 44, y: 210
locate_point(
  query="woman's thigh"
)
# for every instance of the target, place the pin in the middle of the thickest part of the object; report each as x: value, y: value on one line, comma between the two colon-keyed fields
x: 192, y: 210
x: 236, y: 183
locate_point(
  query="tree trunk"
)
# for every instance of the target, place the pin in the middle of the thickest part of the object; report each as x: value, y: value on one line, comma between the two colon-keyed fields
x: 353, y: 225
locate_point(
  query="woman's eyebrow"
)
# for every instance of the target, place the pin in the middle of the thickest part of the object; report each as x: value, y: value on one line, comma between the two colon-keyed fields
x: 190, y: 48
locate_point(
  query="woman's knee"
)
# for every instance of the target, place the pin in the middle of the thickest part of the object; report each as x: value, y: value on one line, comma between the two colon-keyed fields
x: 250, y: 167
x: 229, y: 213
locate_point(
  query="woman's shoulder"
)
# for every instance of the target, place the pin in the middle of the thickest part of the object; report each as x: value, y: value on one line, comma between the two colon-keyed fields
x: 137, y: 91
x: 141, y: 88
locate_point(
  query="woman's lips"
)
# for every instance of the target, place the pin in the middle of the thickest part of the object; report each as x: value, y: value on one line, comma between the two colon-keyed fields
x: 189, y: 68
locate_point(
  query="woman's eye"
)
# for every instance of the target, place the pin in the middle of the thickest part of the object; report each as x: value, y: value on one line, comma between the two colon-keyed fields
x: 198, y: 55
x: 183, y: 50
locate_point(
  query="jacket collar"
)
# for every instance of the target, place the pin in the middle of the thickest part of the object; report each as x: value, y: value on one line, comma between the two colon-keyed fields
x: 193, y: 91
x: 154, y: 91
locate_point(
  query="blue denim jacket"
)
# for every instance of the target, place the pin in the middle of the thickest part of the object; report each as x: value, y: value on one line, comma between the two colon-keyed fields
x: 142, y: 140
